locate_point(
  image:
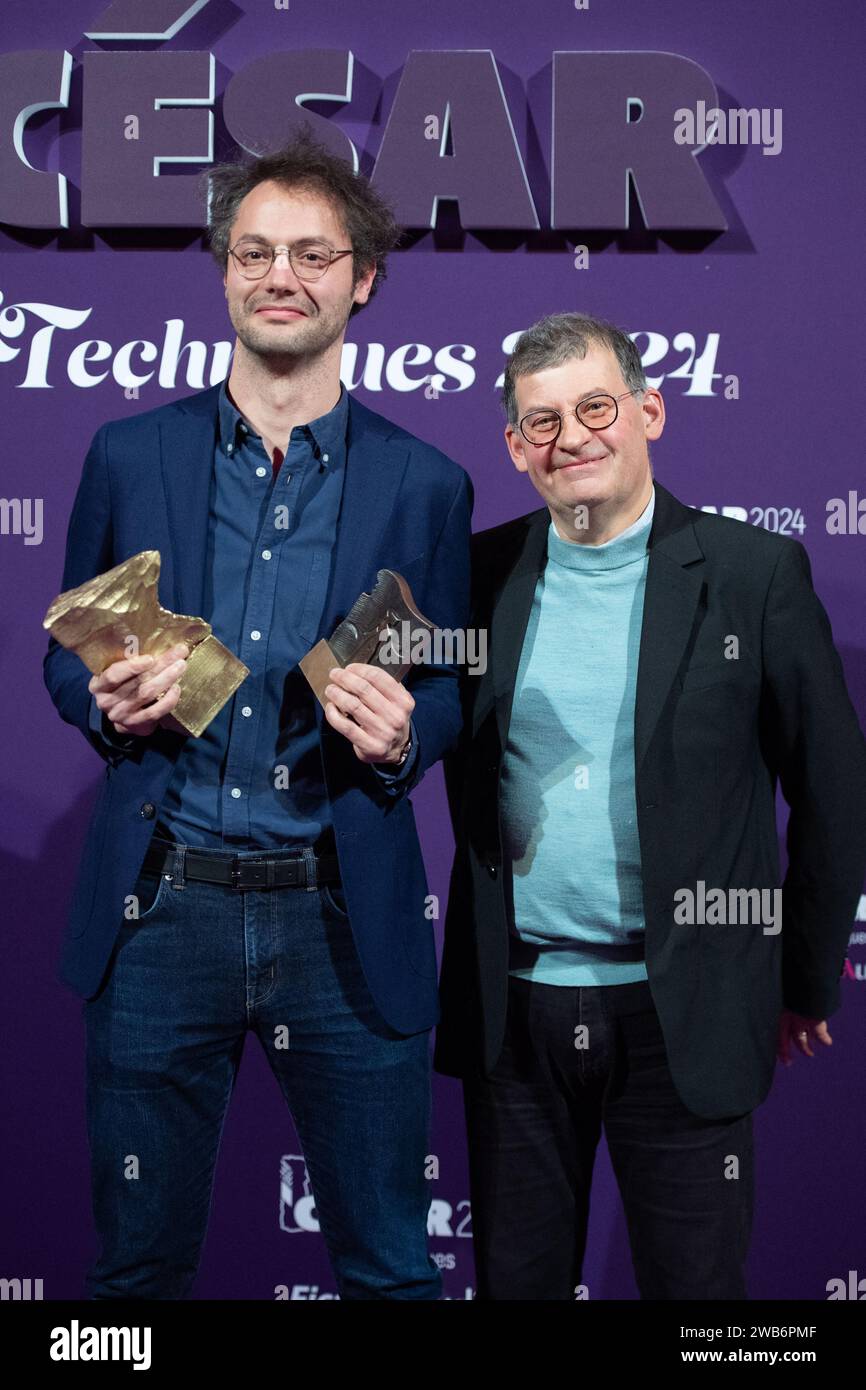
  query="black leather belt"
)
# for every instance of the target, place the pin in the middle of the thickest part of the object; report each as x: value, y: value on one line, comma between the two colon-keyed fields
x: 243, y: 872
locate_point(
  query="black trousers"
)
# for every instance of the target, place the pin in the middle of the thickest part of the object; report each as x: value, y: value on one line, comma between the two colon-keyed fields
x: 574, y: 1060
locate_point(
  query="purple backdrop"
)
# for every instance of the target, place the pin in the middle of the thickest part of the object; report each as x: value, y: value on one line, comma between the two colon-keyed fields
x: 760, y: 302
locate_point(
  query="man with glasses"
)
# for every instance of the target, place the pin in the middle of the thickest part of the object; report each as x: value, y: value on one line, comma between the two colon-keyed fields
x: 273, y: 863
x: 654, y: 672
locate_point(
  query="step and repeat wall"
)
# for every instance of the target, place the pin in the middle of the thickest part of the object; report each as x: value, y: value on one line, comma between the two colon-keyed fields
x: 685, y: 170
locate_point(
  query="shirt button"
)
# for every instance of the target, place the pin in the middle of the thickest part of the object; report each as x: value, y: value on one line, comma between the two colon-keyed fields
x: 236, y: 792
x: 261, y: 472
x: 255, y: 634
x: 230, y: 448
x: 266, y: 555
x: 325, y: 458
x: 246, y: 711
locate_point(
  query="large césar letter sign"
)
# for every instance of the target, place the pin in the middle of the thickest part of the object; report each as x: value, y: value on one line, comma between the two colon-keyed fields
x: 449, y: 134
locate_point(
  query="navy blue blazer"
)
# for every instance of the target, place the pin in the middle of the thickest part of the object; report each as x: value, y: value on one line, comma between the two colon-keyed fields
x: 407, y: 507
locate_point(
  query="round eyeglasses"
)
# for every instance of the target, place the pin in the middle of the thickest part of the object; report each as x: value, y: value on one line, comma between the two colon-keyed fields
x: 308, y: 259
x: 596, y: 412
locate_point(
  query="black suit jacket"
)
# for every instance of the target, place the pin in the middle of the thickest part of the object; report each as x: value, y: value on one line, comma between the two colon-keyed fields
x: 712, y: 738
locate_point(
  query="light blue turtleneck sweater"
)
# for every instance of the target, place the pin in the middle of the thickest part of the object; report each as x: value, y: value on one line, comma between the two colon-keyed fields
x: 568, y: 810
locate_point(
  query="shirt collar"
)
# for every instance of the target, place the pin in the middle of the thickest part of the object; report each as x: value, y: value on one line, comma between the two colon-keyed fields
x: 328, y: 431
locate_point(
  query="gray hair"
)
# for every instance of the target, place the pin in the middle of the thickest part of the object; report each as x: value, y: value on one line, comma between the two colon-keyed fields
x: 306, y: 164
x: 558, y: 337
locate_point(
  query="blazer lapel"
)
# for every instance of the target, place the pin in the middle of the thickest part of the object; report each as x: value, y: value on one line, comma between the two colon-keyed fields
x: 671, y: 601
x: 187, y: 443
x: 376, y: 460
x: 511, y: 615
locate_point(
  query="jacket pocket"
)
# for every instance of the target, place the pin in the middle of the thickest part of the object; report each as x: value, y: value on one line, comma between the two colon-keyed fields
x: 714, y: 673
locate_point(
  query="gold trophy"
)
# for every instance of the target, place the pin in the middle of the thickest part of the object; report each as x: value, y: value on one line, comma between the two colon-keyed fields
x: 118, y: 615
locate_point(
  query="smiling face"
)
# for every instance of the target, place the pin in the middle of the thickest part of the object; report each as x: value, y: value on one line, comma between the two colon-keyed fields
x: 608, y: 470
x: 281, y: 315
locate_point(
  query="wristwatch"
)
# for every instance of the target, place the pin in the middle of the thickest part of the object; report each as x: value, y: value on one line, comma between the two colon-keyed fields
x: 407, y: 748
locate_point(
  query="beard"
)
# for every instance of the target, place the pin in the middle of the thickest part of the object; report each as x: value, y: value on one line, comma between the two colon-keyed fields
x: 294, y: 338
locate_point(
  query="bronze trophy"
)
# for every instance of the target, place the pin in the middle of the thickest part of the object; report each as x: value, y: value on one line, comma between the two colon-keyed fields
x: 380, y: 629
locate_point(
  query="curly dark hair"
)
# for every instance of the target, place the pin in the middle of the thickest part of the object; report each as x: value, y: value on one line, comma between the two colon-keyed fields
x: 305, y: 163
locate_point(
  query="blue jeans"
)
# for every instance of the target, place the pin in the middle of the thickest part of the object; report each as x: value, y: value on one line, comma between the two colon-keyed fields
x: 201, y: 967
x: 686, y: 1182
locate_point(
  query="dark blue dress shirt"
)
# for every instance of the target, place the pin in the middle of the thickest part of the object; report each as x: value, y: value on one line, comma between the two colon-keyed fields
x: 254, y: 778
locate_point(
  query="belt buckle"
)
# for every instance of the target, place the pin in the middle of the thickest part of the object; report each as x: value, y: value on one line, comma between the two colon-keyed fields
x: 308, y: 877
x: 260, y: 868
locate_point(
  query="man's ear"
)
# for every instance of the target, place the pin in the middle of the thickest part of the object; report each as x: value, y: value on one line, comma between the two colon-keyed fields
x: 654, y: 426
x: 364, y: 285
x: 514, y: 442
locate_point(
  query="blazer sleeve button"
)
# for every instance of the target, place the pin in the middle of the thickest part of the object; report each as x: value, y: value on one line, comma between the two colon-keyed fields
x: 148, y: 810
